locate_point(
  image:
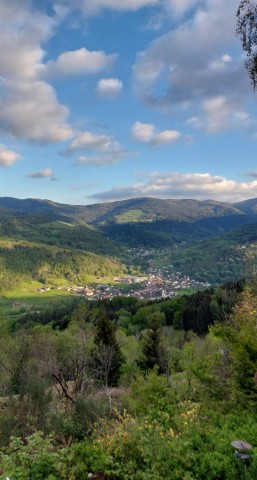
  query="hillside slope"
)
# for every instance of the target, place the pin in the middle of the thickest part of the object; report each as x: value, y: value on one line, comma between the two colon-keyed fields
x: 229, y: 257
x: 150, y: 209
x: 141, y: 222
x: 24, y: 262
x: 36, y: 227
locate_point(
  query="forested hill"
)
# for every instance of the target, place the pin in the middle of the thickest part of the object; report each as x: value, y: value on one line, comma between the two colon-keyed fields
x: 133, y: 210
x: 141, y: 222
x: 229, y: 232
x: 38, y: 227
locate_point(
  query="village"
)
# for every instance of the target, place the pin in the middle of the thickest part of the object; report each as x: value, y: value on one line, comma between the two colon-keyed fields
x: 152, y: 287
x: 156, y: 282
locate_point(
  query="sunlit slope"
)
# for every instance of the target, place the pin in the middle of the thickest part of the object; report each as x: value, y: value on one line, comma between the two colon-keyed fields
x: 23, y: 262
x: 37, y: 227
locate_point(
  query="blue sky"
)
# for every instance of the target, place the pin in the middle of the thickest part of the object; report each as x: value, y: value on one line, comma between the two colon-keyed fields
x: 104, y: 100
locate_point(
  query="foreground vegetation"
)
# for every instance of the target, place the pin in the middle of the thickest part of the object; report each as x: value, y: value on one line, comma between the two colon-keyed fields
x: 129, y: 389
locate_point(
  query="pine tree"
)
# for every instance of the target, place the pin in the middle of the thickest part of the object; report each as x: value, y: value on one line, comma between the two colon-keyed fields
x: 107, y: 358
x: 153, y: 351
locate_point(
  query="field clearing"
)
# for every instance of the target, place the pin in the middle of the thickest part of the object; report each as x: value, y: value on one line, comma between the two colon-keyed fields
x: 24, y: 300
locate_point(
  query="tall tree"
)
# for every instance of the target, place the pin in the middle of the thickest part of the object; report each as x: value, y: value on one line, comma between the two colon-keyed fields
x: 153, y: 352
x: 247, y: 31
x: 107, y: 358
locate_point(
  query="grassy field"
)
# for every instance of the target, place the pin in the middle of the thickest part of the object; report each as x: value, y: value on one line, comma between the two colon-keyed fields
x: 132, y: 216
x: 25, y: 299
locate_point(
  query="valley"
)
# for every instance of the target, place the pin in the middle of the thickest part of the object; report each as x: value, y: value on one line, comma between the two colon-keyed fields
x: 186, y: 244
x: 122, y: 333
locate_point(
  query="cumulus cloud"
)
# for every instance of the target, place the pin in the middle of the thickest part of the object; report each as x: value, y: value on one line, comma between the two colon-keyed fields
x: 46, y: 173
x: 91, y: 141
x: 109, y: 87
x: 79, y: 62
x: 192, y: 63
x: 101, y: 149
x: 200, y: 186
x: 222, y: 113
x: 29, y: 108
x: 8, y: 157
x: 146, y: 133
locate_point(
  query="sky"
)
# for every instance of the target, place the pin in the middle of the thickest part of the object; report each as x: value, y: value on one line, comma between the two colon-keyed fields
x: 105, y: 100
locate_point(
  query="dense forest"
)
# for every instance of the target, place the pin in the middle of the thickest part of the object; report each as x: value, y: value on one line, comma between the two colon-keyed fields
x: 126, y: 389
x: 209, y: 241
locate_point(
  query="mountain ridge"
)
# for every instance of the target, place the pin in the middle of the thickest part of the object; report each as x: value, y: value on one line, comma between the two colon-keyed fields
x: 159, y: 208
x: 111, y: 229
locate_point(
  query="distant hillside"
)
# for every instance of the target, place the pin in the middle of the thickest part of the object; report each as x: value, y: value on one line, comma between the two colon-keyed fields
x: 166, y: 233
x: 138, y: 209
x: 248, y: 207
x: 22, y: 263
x: 229, y: 257
x: 144, y: 222
x: 37, y: 227
x: 215, y: 242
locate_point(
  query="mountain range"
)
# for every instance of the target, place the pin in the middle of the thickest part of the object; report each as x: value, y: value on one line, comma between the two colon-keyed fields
x: 208, y: 240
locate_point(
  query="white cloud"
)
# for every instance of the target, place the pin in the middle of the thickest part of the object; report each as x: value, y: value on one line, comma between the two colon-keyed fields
x: 193, y: 62
x: 143, y: 132
x: 222, y: 113
x: 146, y: 133
x: 29, y: 108
x: 8, y: 157
x: 46, y: 173
x: 109, y: 87
x: 220, y: 63
x: 217, y: 110
x: 101, y: 149
x: 22, y: 30
x: 199, y: 186
x: 91, y: 141
x: 79, y: 62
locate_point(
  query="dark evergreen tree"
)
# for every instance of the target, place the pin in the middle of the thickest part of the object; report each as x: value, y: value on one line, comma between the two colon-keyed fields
x: 153, y: 352
x: 107, y: 358
x: 197, y: 313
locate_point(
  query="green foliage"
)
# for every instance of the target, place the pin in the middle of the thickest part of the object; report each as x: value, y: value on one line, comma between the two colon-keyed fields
x: 195, y: 447
x: 177, y: 426
x: 107, y: 359
x: 153, y: 350
x: 240, y: 334
x: 35, y: 459
x: 149, y: 394
x: 27, y: 262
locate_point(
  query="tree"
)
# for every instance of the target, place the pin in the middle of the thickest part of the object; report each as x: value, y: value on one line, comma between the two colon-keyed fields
x: 107, y: 358
x: 153, y: 352
x: 239, y: 333
x: 247, y: 31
